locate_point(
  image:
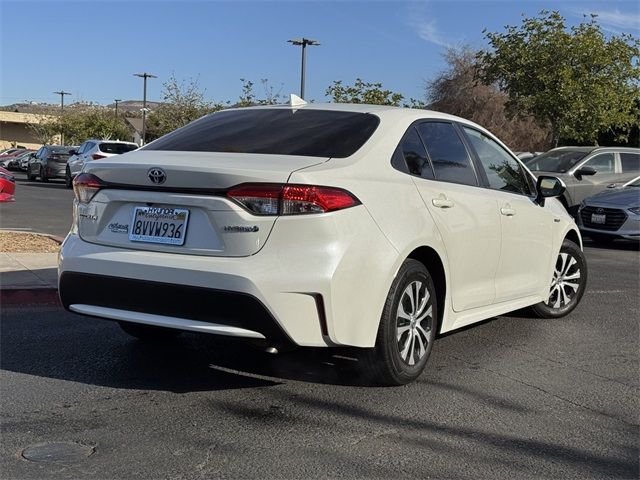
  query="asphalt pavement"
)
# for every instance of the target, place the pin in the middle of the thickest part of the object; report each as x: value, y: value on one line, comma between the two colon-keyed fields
x: 513, y: 397
x: 39, y: 207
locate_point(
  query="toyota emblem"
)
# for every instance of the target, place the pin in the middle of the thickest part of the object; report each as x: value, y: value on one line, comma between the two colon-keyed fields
x: 157, y: 176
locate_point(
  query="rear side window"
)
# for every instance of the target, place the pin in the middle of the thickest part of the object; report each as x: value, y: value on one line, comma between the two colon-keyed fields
x: 503, y: 172
x: 283, y: 131
x: 447, y: 153
x: 411, y: 157
x: 116, y: 148
x: 630, y: 162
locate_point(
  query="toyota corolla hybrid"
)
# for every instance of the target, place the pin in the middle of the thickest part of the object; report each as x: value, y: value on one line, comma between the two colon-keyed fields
x: 320, y: 225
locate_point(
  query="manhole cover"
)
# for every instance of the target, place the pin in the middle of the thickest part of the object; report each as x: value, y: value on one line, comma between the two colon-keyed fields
x: 63, y: 452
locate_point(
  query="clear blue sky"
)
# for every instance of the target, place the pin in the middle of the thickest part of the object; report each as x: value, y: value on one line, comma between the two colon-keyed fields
x: 92, y: 48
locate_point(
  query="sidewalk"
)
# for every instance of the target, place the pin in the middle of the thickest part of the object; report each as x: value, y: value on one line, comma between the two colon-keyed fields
x: 27, y: 278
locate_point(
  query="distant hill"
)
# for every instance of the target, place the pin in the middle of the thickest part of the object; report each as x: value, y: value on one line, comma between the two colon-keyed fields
x: 126, y: 106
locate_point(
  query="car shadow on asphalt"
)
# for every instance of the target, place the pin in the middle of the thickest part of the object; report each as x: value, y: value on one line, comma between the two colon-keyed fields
x: 622, y: 245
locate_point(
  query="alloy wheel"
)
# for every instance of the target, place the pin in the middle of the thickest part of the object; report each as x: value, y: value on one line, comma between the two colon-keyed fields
x: 414, y: 321
x: 565, y: 281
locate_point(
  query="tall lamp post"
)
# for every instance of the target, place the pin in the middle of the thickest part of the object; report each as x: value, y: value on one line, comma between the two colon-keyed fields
x: 144, y: 76
x: 62, y: 93
x: 303, y: 42
x: 117, y: 100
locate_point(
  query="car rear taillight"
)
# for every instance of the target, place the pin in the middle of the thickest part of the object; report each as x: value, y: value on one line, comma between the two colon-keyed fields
x: 85, y: 186
x: 270, y: 199
x: 97, y: 156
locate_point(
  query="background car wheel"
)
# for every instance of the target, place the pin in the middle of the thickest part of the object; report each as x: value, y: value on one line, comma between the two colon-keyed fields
x: 43, y: 176
x: 567, y: 284
x: 30, y: 176
x: 407, y: 328
x: 68, y: 181
x: 149, y: 333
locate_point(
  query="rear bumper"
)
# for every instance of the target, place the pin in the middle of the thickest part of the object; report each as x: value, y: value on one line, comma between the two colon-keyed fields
x: 176, y: 306
x: 318, y: 281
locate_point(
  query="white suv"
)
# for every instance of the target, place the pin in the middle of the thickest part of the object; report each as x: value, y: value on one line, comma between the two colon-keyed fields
x: 94, y: 150
x: 320, y: 225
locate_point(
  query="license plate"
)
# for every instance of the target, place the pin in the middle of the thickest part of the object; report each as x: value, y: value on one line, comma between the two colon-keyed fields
x: 159, y: 225
x: 598, y: 218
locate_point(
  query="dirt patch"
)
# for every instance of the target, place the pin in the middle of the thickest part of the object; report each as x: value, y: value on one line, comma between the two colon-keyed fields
x: 18, y: 242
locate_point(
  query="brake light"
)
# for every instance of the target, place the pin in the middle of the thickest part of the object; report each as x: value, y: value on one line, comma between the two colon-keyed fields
x: 273, y: 199
x: 97, y: 156
x: 85, y: 186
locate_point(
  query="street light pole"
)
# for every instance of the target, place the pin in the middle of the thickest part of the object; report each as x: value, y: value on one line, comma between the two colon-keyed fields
x: 117, y: 100
x: 62, y: 93
x: 303, y: 42
x: 144, y: 75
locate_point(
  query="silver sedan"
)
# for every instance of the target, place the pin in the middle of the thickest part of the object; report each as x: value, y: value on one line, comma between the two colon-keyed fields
x: 614, y: 213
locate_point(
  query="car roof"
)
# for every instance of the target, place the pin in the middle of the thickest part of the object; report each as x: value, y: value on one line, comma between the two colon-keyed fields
x: 595, y: 148
x: 109, y: 141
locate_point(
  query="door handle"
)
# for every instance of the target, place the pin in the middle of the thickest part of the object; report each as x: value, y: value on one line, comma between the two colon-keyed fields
x: 507, y: 211
x: 442, y: 203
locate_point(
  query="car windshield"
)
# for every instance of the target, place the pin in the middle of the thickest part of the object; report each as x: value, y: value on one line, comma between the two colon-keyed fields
x: 556, y: 160
x: 278, y: 131
x: 117, y: 148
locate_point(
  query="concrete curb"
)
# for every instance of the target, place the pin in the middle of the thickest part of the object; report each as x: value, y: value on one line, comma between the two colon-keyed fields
x: 29, y: 296
x: 16, y: 296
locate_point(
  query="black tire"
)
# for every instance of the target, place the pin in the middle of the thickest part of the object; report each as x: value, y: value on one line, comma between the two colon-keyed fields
x: 149, y: 333
x: 68, y: 181
x: 43, y: 177
x: 30, y: 176
x: 385, y: 363
x: 602, y: 239
x: 559, y: 304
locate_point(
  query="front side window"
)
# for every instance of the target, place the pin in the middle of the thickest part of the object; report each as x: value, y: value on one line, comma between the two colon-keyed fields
x: 411, y: 157
x: 630, y: 162
x: 277, y: 131
x: 602, y: 163
x: 503, y: 172
x: 447, y: 153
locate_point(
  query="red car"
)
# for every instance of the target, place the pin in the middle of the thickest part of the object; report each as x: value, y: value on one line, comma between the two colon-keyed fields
x: 7, y: 185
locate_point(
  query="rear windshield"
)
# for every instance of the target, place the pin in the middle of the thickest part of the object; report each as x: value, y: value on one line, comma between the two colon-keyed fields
x: 117, y: 148
x: 314, y: 133
x: 61, y: 151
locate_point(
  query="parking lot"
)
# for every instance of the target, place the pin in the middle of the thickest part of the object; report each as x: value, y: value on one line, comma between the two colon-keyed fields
x: 512, y: 397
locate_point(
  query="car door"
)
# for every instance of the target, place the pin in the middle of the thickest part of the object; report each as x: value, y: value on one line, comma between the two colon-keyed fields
x: 35, y: 162
x: 74, y: 161
x: 467, y: 218
x: 86, y: 153
x: 526, y: 227
x: 605, y: 166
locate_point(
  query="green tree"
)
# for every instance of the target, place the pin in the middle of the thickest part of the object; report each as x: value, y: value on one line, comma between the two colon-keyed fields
x: 456, y: 90
x: 363, y: 92
x: 249, y: 97
x: 577, y: 80
x: 81, y: 122
x: 183, y: 102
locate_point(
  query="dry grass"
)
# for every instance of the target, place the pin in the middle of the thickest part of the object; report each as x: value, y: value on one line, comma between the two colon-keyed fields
x: 18, y: 242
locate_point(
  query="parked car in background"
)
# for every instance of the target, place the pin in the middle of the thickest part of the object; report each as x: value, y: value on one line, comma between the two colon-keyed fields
x: 614, y: 213
x: 587, y: 170
x: 15, y: 161
x: 6, y: 160
x: 49, y: 162
x: 320, y: 225
x: 10, y: 151
x: 7, y: 185
x: 94, y: 150
x: 527, y: 155
x: 25, y: 159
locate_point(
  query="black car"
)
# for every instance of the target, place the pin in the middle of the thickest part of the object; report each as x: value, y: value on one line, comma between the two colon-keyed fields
x: 49, y: 162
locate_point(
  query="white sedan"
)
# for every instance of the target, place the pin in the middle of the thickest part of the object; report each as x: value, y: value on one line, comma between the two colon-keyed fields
x: 320, y: 225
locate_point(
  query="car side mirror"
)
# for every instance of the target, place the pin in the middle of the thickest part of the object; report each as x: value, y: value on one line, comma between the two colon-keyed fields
x: 548, y: 187
x: 585, y: 171
x: 72, y: 152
